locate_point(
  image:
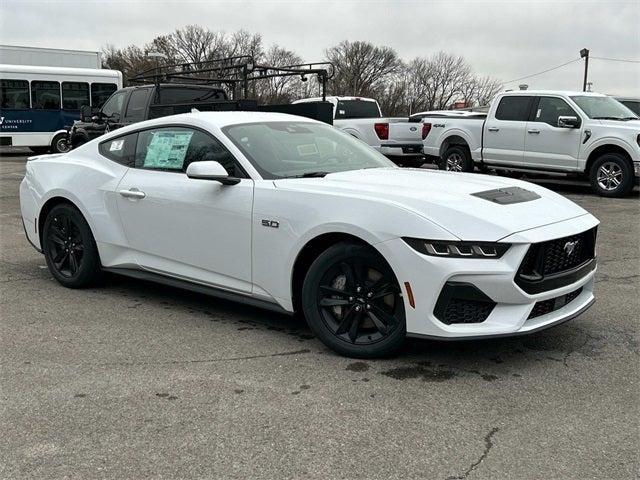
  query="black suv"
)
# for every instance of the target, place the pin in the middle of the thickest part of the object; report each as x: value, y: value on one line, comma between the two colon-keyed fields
x: 135, y: 104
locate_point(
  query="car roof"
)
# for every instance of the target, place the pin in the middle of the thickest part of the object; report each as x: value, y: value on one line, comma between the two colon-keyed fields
x: 552, y: 92
x: 215, y: 120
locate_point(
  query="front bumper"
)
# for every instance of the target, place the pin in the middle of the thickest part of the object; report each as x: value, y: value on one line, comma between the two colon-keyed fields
x: 513, y: 313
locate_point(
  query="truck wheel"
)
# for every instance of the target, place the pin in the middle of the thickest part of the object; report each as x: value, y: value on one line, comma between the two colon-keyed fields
x: 60, y: 144
x: 611, y: 175
x: 456, y: 159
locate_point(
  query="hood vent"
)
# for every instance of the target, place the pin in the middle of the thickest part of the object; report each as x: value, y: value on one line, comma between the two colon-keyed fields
x: 507, y: 196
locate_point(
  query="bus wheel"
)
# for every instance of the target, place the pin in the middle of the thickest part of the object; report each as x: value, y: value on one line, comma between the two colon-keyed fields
x: 39, y: 150
x: 60, y: 143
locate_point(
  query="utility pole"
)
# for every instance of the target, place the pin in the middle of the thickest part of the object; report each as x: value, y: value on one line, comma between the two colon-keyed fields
x: 584, y: 53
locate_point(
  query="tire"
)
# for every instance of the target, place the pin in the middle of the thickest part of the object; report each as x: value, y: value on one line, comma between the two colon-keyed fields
x: 60, y: 143
x: 456, y: 159
x: 69, y: 247
x: 39, y: 150
x: 366, y: 323
x: 611, y: 175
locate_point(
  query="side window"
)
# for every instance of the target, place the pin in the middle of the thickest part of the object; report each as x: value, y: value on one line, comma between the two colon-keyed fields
x: 75, y: 95
x: 550, y: 108
x: 120, y: 150
x: 137, y: 105
x: 515, y: 108
x: 45, y: 95
x: 100, y: 92
x: 114, y: 106
x: 14, y: 94
x: 174, y: 148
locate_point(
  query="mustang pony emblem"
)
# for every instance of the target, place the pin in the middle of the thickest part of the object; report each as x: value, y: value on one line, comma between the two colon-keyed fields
x: 569, y: 247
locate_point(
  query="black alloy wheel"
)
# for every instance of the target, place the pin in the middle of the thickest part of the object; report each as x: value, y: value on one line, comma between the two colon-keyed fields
x: 69, y: 247
x: 353, y: 302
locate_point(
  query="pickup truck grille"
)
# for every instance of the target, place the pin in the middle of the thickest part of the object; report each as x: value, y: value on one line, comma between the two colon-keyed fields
x: 552, y: 259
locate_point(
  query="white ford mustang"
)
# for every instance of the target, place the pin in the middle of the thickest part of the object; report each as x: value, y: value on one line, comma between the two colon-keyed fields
x: 291, y: 214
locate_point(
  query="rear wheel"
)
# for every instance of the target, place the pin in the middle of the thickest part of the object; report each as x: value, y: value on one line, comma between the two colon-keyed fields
x: 353, y: 303
x: 69, y: 247
x: 611, y: 175
x: 456, y: 159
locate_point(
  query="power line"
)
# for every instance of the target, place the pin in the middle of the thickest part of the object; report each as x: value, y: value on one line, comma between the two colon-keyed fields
x: 544, y: 71
x: 617, y: 59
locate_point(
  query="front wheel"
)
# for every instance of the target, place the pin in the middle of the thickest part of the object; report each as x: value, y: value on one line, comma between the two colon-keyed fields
x: 456, y: 159
x: 353, y: 303
x: 69, y: 247
x: 611, y: 175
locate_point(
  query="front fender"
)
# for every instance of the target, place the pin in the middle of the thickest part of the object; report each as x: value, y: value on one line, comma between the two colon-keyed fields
x: 618, y: 142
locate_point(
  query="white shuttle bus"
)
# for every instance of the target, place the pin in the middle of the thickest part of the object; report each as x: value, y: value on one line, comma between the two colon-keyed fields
x: 39, y: 104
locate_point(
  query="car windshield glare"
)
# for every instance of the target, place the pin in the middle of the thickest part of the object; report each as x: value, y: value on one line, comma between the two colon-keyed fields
x: 301, y: 149
x: 605, y: 108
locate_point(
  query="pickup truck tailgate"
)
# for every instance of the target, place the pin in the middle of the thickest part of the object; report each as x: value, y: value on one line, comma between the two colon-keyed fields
x: 401, y: 131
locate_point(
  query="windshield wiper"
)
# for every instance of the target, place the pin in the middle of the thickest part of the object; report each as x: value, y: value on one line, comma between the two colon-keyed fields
x: 309, y: 175
x: 608, y: 118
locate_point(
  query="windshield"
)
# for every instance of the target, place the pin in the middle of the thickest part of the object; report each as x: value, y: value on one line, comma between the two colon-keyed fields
x: 605, y: 108
x: 296, y: 149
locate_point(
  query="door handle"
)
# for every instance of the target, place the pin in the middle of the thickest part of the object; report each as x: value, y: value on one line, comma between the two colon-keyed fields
x: 533, y: 131
x: 132, y: 193
x: 493, y: 129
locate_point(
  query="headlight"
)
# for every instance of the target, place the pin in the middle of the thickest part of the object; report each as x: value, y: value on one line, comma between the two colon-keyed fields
x: 439, y: 248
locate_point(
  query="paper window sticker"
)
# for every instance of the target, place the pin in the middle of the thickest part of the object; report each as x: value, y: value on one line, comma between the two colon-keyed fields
x: 538, y: 113
x: 116, y: 145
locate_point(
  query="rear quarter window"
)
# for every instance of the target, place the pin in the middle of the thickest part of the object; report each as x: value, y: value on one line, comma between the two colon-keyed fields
x: 120, y: 150
x: 514, y: 108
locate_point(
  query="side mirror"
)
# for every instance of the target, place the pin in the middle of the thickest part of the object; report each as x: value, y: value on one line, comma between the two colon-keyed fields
x: 568, y: 122
x: 210, y: 170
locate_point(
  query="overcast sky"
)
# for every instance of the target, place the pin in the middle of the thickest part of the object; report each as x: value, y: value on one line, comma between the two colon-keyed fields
x: 505, y: 39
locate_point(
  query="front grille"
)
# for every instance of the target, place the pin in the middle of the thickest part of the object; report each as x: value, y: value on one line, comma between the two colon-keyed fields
x: 460, y: 302
x: 553, y: 258
x: 460, y: 310
x: 548, y: 306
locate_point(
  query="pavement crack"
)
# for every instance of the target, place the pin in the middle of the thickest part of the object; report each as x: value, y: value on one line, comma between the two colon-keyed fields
x: 488, y: 444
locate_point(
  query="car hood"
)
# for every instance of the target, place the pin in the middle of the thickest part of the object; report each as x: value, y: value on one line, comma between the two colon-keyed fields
x: 633, y: 125
x: 447, y: 199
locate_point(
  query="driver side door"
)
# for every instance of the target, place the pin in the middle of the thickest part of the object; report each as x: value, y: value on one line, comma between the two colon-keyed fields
x: 196, y: 230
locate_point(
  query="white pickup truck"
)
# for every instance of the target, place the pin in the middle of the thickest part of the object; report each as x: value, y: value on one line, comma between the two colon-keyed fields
x: 395, y: 138
x: 551, y: 132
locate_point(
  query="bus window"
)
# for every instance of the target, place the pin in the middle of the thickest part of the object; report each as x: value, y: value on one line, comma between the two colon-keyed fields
x: 100, y: 92
x: 46, y: 95
x: 14, y: 94
x: 75, y: 95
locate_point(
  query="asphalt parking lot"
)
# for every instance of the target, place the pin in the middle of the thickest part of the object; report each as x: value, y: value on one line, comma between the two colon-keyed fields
x: 136, y: 380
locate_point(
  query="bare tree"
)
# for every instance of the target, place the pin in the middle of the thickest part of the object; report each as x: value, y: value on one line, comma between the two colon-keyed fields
x: 278, y: 89
x: 438, y: 80
x: 361, y: 68
x: 425, y: 83
x: 129, y: 60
